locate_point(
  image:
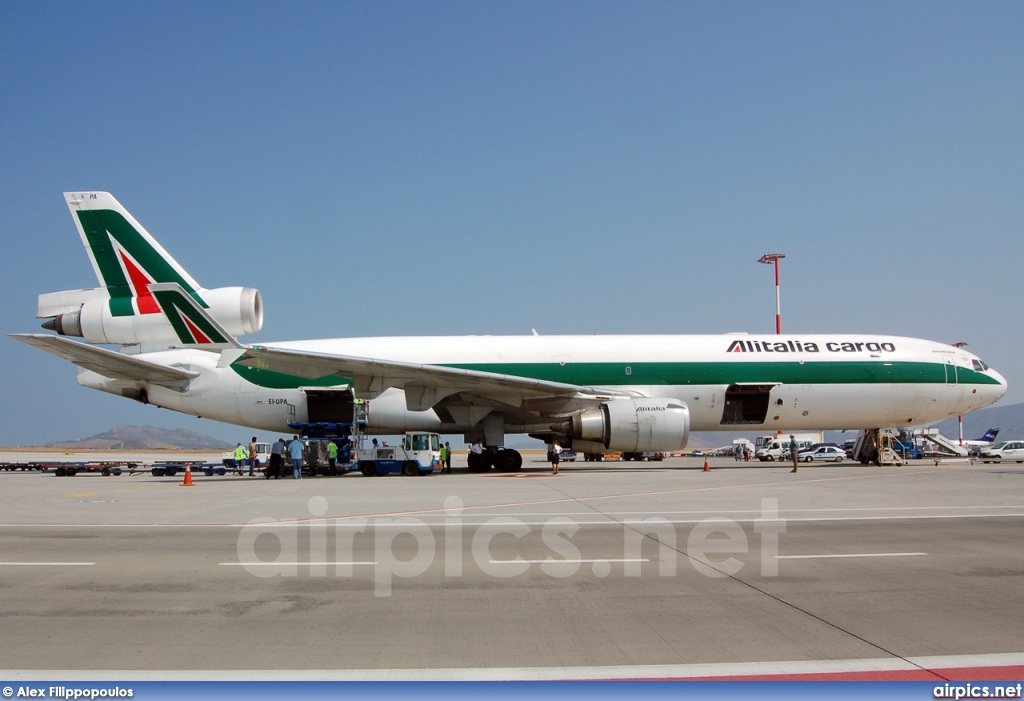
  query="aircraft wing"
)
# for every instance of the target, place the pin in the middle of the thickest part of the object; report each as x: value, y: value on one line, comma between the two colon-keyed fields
x: 116, y: 366
x: 425, y: 385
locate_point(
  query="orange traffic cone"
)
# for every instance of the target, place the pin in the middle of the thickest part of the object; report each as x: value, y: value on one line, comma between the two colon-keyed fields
x: 188, y: 476
x: 707, y: 468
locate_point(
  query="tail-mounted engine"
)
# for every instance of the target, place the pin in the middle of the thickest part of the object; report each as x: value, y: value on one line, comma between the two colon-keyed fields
x: 635, y: 425
x: 94, y: 316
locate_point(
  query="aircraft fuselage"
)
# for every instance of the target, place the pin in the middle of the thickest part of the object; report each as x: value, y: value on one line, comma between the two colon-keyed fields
x: 729, y: 382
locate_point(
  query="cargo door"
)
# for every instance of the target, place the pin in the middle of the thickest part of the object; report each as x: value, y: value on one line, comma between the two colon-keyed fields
x: 746, y: 404
x: 330, y: 405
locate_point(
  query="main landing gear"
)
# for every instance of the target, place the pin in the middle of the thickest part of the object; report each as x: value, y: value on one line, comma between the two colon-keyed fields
x: 501, y: 459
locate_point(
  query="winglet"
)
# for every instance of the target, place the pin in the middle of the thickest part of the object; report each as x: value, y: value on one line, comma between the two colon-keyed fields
x: 193, y: 325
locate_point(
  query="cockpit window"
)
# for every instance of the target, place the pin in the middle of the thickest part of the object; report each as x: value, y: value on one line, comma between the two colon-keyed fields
x: 979, y: 365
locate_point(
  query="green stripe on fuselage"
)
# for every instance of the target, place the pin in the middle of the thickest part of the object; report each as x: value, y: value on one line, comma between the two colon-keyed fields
x: 793, y: 372
x: 615, y: 374
x: 269, y: 379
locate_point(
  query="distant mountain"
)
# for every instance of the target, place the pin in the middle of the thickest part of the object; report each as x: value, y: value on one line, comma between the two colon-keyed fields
x: 145, y: 438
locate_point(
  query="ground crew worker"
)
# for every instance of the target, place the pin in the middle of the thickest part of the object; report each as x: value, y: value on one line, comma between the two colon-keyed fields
x: 442, y: 455
x: 276, y: 459
x: 252, y: 456
x: 332, y: 456
x: 556, y: 452
x: 239, y: 459
x: 295, y: 453
x: 794, y: 451
x: 447, y: 457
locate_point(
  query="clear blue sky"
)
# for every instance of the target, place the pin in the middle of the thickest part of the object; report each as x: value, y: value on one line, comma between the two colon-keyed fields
x: 392, y: 168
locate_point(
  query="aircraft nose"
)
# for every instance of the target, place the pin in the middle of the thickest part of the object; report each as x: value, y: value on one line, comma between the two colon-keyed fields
x: 995, y: 392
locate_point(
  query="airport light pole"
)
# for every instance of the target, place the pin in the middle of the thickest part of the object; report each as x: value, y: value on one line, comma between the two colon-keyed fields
x: 769, y: 258
x: 960, y: 417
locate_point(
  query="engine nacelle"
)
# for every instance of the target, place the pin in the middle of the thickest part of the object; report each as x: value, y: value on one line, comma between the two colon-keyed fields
x: 238, y: 309
x: 635, y: 425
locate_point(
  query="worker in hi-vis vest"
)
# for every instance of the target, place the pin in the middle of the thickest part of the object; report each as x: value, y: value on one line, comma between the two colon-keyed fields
x: 239, y: 459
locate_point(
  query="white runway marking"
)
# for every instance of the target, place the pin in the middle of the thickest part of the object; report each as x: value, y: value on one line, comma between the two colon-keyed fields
x: 46, y: 564
x: 825, y: 557
x: 260, y: 563
x: 564, y: 562
x: 340, y: 521
x: 687, y: 671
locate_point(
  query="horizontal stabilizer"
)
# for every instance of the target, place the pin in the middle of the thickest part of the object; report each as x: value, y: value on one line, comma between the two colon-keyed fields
x: 105, y: 362
x: 193, y: 324
x: 56, y: 303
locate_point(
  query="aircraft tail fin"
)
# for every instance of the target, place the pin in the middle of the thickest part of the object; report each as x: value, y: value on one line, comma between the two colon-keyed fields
x: 193, y: 325
x: 990, y: 435
x: 125, y: 257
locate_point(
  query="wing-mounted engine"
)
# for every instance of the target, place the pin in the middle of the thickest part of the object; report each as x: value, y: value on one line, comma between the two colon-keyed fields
x: 99, y: 318
x: 634, y: 425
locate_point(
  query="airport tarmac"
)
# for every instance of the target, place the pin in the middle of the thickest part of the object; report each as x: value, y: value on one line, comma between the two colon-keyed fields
x: 651, y: 570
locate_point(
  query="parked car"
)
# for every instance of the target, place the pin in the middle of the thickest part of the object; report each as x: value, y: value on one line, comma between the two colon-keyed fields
x: 827, y: 453
x: 1007, y: 450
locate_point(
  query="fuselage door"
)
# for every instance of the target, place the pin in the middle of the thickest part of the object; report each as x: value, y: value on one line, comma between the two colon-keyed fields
x: 562, y: 369
x: 330, y: 405
x: 746, y: 403
x: 950, y: 366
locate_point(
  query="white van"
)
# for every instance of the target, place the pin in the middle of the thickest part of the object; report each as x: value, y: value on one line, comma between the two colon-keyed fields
x: 1007, y: 450
x: 778, y: 449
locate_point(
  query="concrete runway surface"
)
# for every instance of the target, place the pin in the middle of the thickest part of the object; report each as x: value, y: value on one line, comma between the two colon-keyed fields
x: 603, y: 571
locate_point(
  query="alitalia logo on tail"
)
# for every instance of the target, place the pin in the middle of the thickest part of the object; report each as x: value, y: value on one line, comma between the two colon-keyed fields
x: 192, y: 326
x: 764, y: 346
x: 138, y: 281
x: 127, y: 262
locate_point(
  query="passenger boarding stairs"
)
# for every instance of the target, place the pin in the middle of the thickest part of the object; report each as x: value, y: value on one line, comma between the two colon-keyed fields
x: 877, y: 446
x: 947, y: 446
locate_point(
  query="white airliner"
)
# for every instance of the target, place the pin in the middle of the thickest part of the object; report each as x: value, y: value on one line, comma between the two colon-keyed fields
x: 985, y: 441
x: 621, y: 393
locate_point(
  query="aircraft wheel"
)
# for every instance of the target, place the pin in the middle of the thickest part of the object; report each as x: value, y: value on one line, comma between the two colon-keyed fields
x: 508, y: 461
x: 409, y: 469
x: 368, y: 469
x: 477, y: 462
